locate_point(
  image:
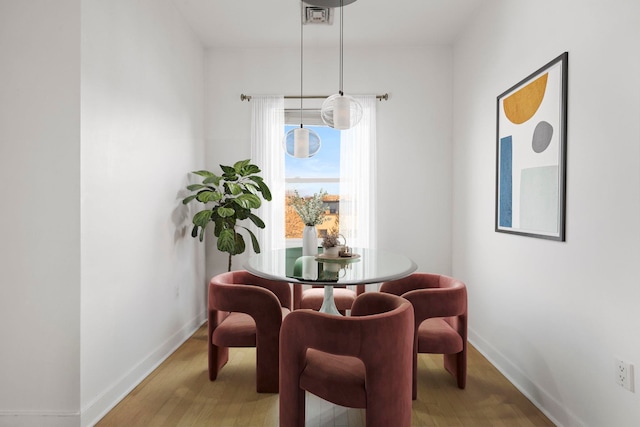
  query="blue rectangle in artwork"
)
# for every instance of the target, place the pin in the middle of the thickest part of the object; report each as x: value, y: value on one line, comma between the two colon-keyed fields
x: 505, y: 196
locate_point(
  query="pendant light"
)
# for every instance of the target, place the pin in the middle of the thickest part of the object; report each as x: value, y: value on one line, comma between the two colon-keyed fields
x: 341, y: 111
x: 301, y: 142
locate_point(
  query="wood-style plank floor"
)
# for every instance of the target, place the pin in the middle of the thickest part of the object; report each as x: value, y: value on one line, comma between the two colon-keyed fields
x: 179, y: 393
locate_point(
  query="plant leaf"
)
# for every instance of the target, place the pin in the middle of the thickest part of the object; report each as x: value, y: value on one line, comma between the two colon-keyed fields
x: 241, y: 213
x: 188, y: 199
x: 209, y: 196
x: 256, y: 220
x: 194, y: 187
x: 250, y: 170
x: 256, y: 179
x: 251, y: 188
x: 226, y: 241
x: 240, y: 245
x: 239, y: 165
x: 218, y: 226
x: 235, y: 189
x: 266, y: 193
x: 202, y: 218
x: 248, y: 201
x: 194, y: 231
x: 228, y: 170
x: 254, y: 241
x: 204, y: 173
x: 225, y: 212
x: 215, y: 180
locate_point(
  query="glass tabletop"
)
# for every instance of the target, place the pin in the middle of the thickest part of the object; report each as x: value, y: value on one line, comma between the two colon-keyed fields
x: 364, y: 266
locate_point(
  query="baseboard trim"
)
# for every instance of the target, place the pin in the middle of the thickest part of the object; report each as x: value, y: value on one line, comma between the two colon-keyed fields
x: 39, y: 418
x: 548, y: 404
x: 101, y: 405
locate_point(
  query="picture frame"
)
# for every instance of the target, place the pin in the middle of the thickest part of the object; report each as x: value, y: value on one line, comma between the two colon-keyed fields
x: 531, y: 154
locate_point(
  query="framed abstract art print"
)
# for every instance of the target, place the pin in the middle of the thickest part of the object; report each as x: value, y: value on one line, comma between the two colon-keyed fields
x: 531, y: 154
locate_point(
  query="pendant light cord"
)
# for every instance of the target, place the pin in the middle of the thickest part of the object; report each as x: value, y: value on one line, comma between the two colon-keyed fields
x: 301, y: 65
x: 341, y: 46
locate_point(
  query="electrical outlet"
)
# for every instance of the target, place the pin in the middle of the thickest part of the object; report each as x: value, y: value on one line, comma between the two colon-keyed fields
x: 624, y: 374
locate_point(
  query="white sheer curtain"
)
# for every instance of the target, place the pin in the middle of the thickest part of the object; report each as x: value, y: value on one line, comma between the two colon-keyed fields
x: 267, y: 131
x: 358, y: 178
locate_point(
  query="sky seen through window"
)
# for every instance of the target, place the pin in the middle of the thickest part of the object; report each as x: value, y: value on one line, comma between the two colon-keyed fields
x: 325, y: 164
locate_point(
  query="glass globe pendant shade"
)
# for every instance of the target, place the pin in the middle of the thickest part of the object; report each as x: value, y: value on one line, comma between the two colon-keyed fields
x: 301, y: 143
x: 341, y: 111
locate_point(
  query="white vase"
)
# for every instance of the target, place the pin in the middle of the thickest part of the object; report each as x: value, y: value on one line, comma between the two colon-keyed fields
x: 309, y: 240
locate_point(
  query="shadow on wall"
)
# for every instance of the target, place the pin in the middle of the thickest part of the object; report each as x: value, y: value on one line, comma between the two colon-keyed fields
x: 181, y: 215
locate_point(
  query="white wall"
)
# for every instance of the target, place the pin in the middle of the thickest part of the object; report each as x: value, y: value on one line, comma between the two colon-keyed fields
x: 40, y: 193
x: 111, y: 149
x: 552, y: 315
x: 414, y: 130
x: 143, y: 285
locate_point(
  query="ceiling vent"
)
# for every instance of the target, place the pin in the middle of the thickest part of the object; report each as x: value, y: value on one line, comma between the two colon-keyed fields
x: 317, y: 15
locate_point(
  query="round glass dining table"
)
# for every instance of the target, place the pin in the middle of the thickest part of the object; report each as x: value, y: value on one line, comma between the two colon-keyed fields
x: 364, y: 266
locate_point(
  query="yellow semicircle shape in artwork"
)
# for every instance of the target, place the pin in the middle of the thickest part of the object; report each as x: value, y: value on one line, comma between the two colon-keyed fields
x: 523, y: 104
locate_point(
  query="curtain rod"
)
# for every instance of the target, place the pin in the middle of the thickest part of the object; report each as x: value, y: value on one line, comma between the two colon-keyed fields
x: 244, y: 97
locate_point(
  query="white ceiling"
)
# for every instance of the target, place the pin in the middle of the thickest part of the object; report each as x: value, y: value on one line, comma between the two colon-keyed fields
x: 276, y: 23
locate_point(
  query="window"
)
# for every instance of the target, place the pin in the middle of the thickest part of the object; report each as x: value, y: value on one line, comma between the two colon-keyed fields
x: 357, y: 179
x: 309, y: 176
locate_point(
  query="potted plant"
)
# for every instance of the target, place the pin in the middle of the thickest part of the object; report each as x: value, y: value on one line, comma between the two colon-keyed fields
x: 331, y: 243
x: 312, y: 212
x: 230, y: 198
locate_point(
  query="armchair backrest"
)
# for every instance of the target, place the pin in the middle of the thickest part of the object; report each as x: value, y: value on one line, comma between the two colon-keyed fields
x: 238, y: 279
x: 446, y: 296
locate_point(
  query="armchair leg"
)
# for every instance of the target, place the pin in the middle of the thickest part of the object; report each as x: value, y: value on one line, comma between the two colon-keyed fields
x: 414, y: 385
x: 456, y: 365
x: 267, y: 370
x: 293, y: 415
x: 218, y: 357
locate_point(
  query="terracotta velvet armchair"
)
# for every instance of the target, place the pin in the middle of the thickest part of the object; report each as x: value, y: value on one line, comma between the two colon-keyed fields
x: 247, y: 311
x: 440, y: 307
x: 359, y: 361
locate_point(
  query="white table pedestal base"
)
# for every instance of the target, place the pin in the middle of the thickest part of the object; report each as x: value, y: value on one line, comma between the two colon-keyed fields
x: 328, y: 303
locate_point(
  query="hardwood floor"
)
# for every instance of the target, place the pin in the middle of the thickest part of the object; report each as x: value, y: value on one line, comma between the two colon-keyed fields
x: 179, y: 393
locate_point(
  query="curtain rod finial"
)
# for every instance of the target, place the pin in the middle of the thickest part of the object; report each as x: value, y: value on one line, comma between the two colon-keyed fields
x: 244, y: 97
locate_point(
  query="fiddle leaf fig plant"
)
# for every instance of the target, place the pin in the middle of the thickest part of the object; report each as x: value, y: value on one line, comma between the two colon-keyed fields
x: 229, y: 198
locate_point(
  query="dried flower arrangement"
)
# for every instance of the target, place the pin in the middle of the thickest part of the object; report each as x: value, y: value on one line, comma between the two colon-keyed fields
x: 331, y: 239
x: 312, y: 209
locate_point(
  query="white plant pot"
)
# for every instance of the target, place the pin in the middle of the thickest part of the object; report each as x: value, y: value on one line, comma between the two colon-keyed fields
x: 333, y: 251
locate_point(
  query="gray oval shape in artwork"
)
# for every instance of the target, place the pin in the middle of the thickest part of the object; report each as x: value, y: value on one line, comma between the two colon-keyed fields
x: 541, y: 137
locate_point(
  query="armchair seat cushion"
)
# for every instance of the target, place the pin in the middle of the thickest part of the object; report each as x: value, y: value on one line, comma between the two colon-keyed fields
x: 237, y: 330
x: 313, y: 298
x: 436, y: 336
x: 336, y: 378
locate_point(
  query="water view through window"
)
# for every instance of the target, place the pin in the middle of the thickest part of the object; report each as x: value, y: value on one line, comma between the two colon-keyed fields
x: 309, y: 176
